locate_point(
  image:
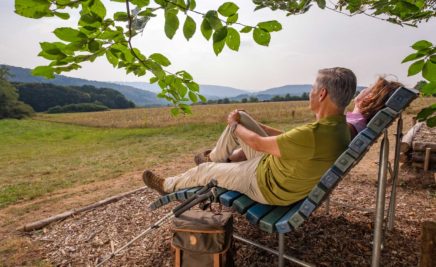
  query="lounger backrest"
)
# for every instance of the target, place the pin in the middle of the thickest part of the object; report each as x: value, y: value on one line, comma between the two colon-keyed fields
x: 358, y: 147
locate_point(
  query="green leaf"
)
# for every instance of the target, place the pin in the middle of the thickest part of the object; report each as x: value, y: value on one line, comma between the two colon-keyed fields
x: 153, y: 80
x: 53, y: 56
x: 175, y: 111
x: 171, y: 24
x: 431, y: 122
x: 94, y: 46
x: 193, y: 97
x: 213, y: 19
x: 220, y: 35
x: 69, y: 34
x: 270, y: 26
x: 98, y: 9
x: 44, y: 71
x: 121, y: 16
x: 321, y: 3
x: 433, y: 59
x: 161, y: 59
x: 32, y: 8
x: 420, y: 45
x: 261, y: 37
x: 228, y: 9
x: 202, y: 98
x: 232, y: 19
x: 429, y: 89
x: 412, y: 57
x: 429, y: 71
x: 90, y: 19
x: 246, y: 29
x: 192, y: 4
x: 426, y: 112
x: 233, y: 39
x: 62, y: 15
x: 185, y: 75
x: 193, y: 86
x: 415, y: 68
x: 140, y: 3
x: 189, y: 28
x: 218, y: 46
x: 206, y: 29
x: 111, y: 58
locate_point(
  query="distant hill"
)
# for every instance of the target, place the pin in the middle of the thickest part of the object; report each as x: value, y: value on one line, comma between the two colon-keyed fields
x: 137, y: 96
x: 296, y: 90
x: 210, y: 91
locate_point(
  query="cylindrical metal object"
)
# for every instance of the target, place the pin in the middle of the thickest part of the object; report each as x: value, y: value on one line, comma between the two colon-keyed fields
x: 281, y: 249
x: 270, y: 250
x: 380, y: 204
x: 393, y: 199
x: 327, y: 205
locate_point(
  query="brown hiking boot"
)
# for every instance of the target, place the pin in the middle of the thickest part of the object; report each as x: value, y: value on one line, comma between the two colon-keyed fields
x: 202, y: 157
x: 153, y: 181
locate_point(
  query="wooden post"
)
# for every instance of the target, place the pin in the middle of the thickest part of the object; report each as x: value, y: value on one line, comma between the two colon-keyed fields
x: 427, y: 158
x: 428, y: 245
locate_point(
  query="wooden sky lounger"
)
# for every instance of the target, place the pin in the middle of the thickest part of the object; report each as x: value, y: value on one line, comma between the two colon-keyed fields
x: 283, y: 219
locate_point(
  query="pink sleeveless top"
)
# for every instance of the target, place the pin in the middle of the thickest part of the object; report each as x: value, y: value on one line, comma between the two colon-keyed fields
x: 357, y: 120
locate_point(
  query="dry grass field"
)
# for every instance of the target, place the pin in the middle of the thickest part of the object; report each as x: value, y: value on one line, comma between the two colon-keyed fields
x: 266, y: 112
x: 201, y: 114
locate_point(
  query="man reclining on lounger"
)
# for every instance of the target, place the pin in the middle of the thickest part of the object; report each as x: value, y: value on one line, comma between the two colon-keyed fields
x: 280, y: 169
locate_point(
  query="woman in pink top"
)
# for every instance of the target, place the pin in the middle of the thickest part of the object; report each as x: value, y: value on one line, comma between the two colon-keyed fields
x: 368, y: 102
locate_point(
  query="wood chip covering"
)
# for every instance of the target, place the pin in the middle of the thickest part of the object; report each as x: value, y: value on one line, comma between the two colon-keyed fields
x: 341, y: 238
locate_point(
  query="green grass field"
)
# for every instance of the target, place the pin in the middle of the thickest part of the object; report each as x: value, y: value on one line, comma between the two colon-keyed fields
x: 39, y: 157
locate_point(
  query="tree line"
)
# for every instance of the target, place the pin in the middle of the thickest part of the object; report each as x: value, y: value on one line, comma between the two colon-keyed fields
x: 253, y: 99
x: 41, y: 96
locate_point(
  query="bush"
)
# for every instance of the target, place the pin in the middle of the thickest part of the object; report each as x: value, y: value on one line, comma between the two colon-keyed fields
x: 81, y: 107
x: 10, y: 106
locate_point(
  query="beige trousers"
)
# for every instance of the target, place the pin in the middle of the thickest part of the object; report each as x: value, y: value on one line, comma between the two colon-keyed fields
x: 237, y: 176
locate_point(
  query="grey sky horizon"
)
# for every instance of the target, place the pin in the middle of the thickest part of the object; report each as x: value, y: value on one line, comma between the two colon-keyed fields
x: 308, y: 42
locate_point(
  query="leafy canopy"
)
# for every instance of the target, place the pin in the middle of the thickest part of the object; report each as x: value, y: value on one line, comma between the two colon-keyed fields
x: 98, y: 34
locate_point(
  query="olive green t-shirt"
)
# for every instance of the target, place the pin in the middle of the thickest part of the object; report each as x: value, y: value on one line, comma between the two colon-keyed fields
x: 306, y: 153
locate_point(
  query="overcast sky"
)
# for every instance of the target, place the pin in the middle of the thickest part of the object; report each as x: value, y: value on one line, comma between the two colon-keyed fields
x: 308, y: 42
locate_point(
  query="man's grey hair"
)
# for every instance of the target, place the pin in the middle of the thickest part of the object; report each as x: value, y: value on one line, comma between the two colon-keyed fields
x: 340, y: 83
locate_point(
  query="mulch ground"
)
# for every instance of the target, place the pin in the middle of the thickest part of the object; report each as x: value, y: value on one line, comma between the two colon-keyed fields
x: 340, y: 238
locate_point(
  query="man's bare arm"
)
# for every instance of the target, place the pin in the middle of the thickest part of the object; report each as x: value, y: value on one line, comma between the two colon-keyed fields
x: 270, y: 130
x: 259, y: 143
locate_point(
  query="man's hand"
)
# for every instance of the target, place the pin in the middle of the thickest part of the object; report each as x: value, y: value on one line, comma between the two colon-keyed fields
x: 233, y: 117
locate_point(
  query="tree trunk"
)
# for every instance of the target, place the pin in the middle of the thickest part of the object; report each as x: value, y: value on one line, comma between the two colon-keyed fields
x: 42, y: 223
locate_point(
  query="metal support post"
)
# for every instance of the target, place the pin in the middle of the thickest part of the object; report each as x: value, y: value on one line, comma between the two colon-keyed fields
x: 393, y: 198
x: 273, y: 251
x: 281, y: 249
x: 380, y: 204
